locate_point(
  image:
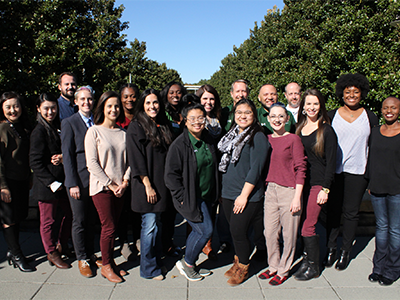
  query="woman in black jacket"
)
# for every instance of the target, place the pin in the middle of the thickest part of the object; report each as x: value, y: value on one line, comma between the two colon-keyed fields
x: 48, y: 178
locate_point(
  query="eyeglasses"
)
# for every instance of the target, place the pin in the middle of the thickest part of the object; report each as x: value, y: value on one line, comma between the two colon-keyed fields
x: 199, y: 120
x: 241, y: 113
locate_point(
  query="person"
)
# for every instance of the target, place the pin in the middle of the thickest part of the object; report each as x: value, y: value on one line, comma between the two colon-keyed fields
x: 267, y: 96
x: 48, y: 178
x: 384, y: 189
x: 320, y: 144
x: 73, y: 131
x: 67, y: 85
x: 14, y: 175
x: 244, y: 151
x: 282, y: 206
x: 293, y: 95
x: 352, y: 124
x: 129, y: 93
x: 148, y: 139
x: 105, y: 151
x: 191, y: 175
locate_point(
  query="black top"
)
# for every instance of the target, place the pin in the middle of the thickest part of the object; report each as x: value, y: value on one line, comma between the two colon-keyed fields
x: 383, y: 168
x: 320, y: 170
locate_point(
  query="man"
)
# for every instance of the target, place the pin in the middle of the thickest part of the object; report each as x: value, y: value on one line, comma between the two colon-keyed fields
x: 293, y: 96
x: 268, y: 96
x: 67, y: 85
x: 239, y: 90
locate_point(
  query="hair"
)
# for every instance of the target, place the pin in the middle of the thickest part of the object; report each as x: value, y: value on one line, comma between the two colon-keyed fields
x: 318, y: 147
x: 66, y: 73
x: 347, y: 80
x: 240, y: 81
x: 84, y: 88
x: 158, y: 132
x: 189, y: 99
x: 129, y: 86
x: 279, y: 104
x: 24, y: 118
x: 192, y: 106
x: 98, y: 117
x: 53, y: 128
x: 255, y: 127
x: 217, y: 106
x: 174, y: 113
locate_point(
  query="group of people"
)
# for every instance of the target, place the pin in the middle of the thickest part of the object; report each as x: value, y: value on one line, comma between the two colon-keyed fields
x: 147, y: 157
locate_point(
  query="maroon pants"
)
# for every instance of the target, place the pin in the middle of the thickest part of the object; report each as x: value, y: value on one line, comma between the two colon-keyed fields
x: 48, y: 212
x: 109, y: 209
x: 311, y: 210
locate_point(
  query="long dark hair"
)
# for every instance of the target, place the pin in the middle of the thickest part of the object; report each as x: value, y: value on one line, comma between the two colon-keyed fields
x: 318, y: 147
x: 173, y: 112
x: 24, y: 118
x: 217, y: 105
x: 158, y: 132
x: 53, y: 128
x: 98, y: 117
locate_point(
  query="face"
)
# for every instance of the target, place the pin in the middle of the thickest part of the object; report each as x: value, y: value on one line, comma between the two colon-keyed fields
x: 244, y: 116
x: 111, y: 109
x: 12, y: 110
x: 311, y: 106
x: 277, y: 118
x: 208, y: 101
x: 174, y: 95
x: 48, y: 110
x: 84, y: 101
x: 293, y: 94
x: 239, y: 92
x: 67, y: 86
x: 390, y: 109
x: 151, y: 106
x: 268, y: 96
x: 128, y: 98
x: 195, y: 122
x: 352, y: 96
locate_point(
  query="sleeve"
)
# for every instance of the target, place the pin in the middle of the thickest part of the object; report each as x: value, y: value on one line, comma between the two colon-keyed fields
x: 37, y: 157
x: 258, y: 157
x: 291, y: 124
x: 173, y: 172
x: 136, y: 150
x: 330, y: 146
x: 68, y: 149
x: 299, y: 160
x: 3, y: 150
x: 373, y: 119
x: 92, y: 158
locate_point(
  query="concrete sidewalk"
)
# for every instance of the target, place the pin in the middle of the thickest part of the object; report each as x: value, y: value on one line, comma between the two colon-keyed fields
x: 51, y: 283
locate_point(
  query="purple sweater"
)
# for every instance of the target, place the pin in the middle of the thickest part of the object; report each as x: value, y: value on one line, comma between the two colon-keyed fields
x: 288, y: 165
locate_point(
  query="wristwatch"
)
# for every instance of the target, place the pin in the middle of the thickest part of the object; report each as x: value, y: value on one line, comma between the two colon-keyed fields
x: 325, y: 190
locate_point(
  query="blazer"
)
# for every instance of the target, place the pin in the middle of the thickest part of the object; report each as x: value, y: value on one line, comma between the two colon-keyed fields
x: 44, y: 172
x: 73, y: 131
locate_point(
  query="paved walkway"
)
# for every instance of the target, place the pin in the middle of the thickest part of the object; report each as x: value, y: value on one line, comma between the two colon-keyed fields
x: 51, y: 283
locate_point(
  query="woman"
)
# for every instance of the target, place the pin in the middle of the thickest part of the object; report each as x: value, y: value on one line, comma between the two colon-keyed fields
x: 48, y: 178
x: 129, y: 93
x: 148, y: 138
x: 352, y: 124
x: 384, y: 188
x: 191, y: 174
x: 14, y: 175
x: 282, y: 206
x: 320, y: 144
x: 245, y: 150
x: 105, y: 149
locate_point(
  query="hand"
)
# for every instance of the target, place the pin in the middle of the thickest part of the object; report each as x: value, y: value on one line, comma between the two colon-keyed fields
x: 322, y: 197
x: 5, y: 195
x: 239, y: 204
x: 151, y: 194
x: 75, y: 192
x: 120, y: 190
x: 295, y: 206
x: 57, y: 159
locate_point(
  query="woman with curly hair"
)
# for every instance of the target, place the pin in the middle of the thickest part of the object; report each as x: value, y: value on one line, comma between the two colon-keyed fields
x: 352, y: 124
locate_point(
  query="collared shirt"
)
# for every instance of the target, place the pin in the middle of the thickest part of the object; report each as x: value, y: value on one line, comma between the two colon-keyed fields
x: 66, y: 108
x: 86, y: 119
x: 262, y: 114
x: 294, y: 111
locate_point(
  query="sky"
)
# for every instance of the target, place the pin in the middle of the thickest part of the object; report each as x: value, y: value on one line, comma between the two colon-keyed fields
x: 192, y: 36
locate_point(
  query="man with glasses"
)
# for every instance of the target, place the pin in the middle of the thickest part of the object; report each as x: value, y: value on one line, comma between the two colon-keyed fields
x: 293, y: 96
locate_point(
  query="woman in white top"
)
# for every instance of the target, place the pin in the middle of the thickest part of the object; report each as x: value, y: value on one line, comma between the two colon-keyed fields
x: 105, y: 149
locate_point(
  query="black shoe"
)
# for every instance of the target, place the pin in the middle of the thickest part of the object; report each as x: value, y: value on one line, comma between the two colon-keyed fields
x: 224, y: 248
x: 385, y: 281
x: 330, y: 257
x: 20, y: 262
x: 343, y: 261
x: 373, y: 277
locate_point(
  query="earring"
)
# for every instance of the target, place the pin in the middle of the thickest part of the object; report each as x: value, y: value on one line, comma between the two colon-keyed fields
x: 304, y: 112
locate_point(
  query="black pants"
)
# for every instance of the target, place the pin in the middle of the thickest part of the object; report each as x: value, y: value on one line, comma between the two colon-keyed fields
x: 346, y: 196
x: 239, y: 226
x: 168, y: 226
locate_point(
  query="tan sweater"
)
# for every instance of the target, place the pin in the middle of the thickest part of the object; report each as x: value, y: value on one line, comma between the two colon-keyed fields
x: 105, y: 151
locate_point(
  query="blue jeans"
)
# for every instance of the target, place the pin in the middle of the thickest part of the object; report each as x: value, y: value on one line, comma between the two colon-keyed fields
x: 387, y: 237
x: 150, y: 246
x: 201, y: 233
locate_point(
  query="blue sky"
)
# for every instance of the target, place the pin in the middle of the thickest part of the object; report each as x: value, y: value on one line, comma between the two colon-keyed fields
x: 192, y: 36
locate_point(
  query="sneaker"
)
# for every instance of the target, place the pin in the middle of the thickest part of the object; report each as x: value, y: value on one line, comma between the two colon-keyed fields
x: 203, y: 272
x: 189, y: 272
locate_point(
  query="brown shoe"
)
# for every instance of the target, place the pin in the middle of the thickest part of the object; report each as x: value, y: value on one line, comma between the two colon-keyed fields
x: 232, y: 270
x: 241, y: 274
x: 55, y: 259
x: 108, y: 272
x: 96, y: 261
x: 207, y: 250
x: 84, y: 268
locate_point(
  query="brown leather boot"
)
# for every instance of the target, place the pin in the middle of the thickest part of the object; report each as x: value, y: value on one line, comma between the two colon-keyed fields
x: 241, y: 274
x: 55, y: 259
x: 108, y: 272
x: 207, y: 250
x: 232, y: 270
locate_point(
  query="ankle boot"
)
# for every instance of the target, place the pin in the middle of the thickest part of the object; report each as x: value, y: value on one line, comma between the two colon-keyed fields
x: 207, y: 250
x: 55, y: 259
x: 232, y: 270
x: 241, y: 274
x: 108, y: 272
x: 330, y: 258
x: 343, y: 261
x: 312, y: 271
